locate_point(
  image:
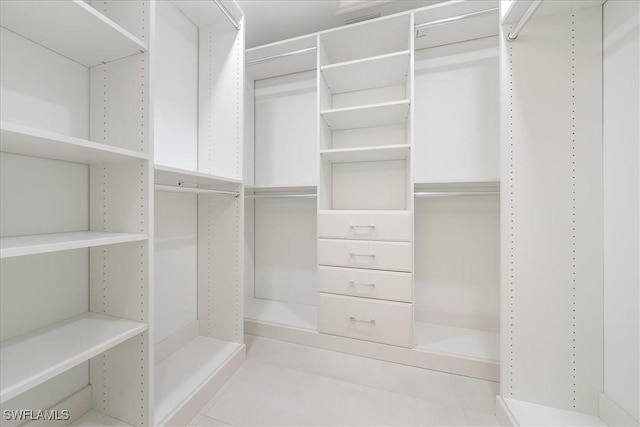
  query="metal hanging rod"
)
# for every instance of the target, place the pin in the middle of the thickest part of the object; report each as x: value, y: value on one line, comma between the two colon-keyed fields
x: 454, y: 193
x: 281, y: 196
x: 456, y: 18
x: 281, y: 55
x: 513, y: 35
x: 194, y: 190
x: 227, y: 14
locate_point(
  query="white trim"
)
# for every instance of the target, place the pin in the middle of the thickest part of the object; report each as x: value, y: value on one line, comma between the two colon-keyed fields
x: 612, y: 414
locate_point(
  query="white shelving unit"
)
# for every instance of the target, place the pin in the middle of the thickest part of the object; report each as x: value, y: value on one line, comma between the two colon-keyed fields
x: 366, y: 154
x: 382, y: 114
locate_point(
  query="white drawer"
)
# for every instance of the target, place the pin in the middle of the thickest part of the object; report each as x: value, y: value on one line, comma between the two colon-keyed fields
x: 366, y: 319
x: 393, y: 256
x: 365, y: 225
x: 387, y: 285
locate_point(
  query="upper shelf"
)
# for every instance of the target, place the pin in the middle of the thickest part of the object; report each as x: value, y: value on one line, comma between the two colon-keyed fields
x: 280, y: 58
x: 379, y: 71
x: 71, y: 28
x: 168, y: 175
x: 383, y: 114
x: 27, y: 141
x: 31, y: 359
x: 366, y: 154
x: 207, y: 13
x: 517, y: 8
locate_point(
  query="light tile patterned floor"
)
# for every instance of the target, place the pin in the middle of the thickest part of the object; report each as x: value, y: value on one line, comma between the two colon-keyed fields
x: 289, y: 384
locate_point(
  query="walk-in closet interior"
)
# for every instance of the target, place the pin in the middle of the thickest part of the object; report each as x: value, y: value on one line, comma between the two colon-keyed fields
x: 453, y: 187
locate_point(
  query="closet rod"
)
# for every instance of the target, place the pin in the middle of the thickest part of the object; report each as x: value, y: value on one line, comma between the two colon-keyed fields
x: 227, y: 14
x: 281, y: 196
x: 454, y: 193
x: 194, y: 190
x: 533, y: 7
x: 281, y: 55
x: 455, y: 18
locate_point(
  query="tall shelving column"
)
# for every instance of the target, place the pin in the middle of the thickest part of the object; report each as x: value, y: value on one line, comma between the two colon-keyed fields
x: 365, y: 197
x: 199, y: 63
x: 76, y: 182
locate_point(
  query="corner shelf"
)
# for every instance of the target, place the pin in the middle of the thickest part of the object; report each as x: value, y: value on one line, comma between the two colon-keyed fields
x: 71, y: 28
x: 172, y: 176
x: 378, y: 71
x: 44, y: 243
x: 366, y: 154
x: 30, y: 359
x: 28, y: 141
x: 382, y: 114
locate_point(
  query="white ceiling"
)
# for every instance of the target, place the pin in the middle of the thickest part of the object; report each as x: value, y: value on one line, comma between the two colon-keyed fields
x: 269, y: 21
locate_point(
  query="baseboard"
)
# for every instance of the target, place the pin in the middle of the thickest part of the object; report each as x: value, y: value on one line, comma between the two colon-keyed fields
x: 470, y: 321
x: 503, y: 414
x: 176, y: 341
x: 190, y: 407
x: 612, y: 414
x: 78, y: 404
x: 460, y: 365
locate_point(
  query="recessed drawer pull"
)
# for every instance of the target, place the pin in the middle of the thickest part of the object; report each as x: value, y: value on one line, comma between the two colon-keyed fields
x: 353, y: 319
x: 352, y: 283
x: 367, y: 255
x: 361, y: 226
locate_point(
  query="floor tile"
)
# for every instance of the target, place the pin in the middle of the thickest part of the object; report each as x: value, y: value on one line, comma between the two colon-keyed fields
x: 267, y: 394
x: 421, y: 383
x: 475, y: 418
x: 476, y: 395
x: 203, y: 421
x: 254, y: 344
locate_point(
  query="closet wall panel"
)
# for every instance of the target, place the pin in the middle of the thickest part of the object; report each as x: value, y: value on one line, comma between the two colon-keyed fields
x: 552, y: 212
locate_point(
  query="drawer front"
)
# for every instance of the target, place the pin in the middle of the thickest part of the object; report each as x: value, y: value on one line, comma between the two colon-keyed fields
x: 365, y: 226
x: 392, y: 256
x: 366, y: 319
x: 386, y: 285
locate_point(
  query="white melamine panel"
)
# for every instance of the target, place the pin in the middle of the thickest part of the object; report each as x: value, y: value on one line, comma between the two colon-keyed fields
x: 72, y: 28
x: 172, y: 176
x: 42, y: 289
x: 285, y: 130
x: 621, y: 204
x: 206, y: 14
x: 369, y: 185
x: 366, y: 225
x: 178, y: 376
x: 373, y: 38
x: 42, y: 89
x: 366, y: 154
x: 176, y: 89
x: 130, y: 15
x: 285, y: 250
x: 27, y: 141
x: 119, y: 104
x: 457, y: 112
x: 44, y: 243
x: 221, y: 102
x: 384, y: 70
x: 48, y: 394
x: 304, y: 58
x: 367, y: 137
x: 552, y: 212
x: 366, y: 319
x: 392, y: 256
x: 457, y: 254
x: 249, y: 149
x: 176, y: 262
x: 358, y: 98
x: 67, y: 343
x: 382, y: 114
x: 385, y: 285
x: 42, y: 196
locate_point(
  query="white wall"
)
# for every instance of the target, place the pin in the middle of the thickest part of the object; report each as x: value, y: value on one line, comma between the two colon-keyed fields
x: 622, y: 204
x: 551, y: 211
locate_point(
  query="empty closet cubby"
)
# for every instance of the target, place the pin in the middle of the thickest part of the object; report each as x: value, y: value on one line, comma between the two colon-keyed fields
x: 198, y: 206
x: 76, y: 191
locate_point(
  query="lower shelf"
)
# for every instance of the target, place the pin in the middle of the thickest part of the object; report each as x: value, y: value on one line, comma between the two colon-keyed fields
x: 529, y: 414
x: 185, y: 371
x: 459, y: 341
x: 97, y: 419
x: 282, y: 313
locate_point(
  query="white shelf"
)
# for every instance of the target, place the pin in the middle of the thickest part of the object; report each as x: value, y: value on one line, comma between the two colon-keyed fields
x: 457, y: 341
x: 281, y: 58
x: 383, y: 114
x: 184, y: 371
x: 31, y: 359
x: 366, y: 154
x: 71, y: 28
x: 531, y: 414
x: 519, y: 7
x: 205, y: 13
x: 379, y: 71
x: 43, y: 243
x: 172, y: 176
x: 94, y: 418
x: 27, y: 141
x: 282, y: 313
